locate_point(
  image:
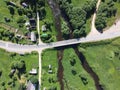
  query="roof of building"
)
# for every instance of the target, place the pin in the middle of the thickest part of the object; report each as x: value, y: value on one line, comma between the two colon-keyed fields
x: 33, y: 71
x: 24, y: 4
x: 30, y: 86
x: 44, y: 35
x: 27, y: 23
x: 33, y: 36
x: 32, y: 22
x: 44, y: 28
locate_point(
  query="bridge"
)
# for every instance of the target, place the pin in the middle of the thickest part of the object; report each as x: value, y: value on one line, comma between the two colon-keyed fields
x: 12, y: 47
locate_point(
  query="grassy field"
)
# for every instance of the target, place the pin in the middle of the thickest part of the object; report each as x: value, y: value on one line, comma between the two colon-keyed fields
x: 6, y: 13
x: 49, y: 57
x: 31, y: 61
x: 105, y: 61
x: 73, y: 81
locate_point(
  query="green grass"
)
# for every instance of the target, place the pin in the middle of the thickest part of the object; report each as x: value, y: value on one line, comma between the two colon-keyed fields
x: 49, y: 57
x: 5, y: 62
x: 118, y: 9
x: 88, y: 25
x: 78, y: 2
x: 104, y: 62
x: 74, y: 82
x: 6, y: 13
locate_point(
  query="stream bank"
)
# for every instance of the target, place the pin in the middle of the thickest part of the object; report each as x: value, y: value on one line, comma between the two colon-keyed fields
x: 56, y: 13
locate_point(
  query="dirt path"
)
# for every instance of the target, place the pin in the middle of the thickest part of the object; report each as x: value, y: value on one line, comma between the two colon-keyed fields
x: 38, y: 29
x: 40, y: 67
x: 94, y: 31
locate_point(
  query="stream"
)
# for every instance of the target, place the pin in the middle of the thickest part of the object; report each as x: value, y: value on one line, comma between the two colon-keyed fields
x: 87, y: 67
x: 56, y: 12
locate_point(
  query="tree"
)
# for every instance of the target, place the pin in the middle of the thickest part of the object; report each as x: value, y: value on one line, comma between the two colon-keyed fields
x: 22, y: 87
x: 77, y: 17
x: 42, y: 12
x: 20, y: 11
x: 76, y: 33
x: 34, y: 80
x: 3, y: 83
x: 41, y: 3
x: 73, y: 70
x: 83, y: 78
x: 0, y: 72
x: 65, y: 30
x: 12, y: 11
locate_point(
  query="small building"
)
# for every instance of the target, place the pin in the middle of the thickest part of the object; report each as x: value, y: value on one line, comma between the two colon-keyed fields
x: 44, y: 28
x: 50, y: 71
x: 30, y: 86
x: 28, y: 35
x: 12, y: 71
x: 33, y: 37
x: 24, y: 5
x: 27, y: 24
x: 32, y: 23
x: 49, y: 67
x: 33, y: 71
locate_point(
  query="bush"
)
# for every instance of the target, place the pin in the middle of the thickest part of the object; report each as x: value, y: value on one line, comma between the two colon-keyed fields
x: 0, y: 72
x: 34, y: 80
x: 20, y: 11
x: 10, y: 82
x: 21, y: 20
x: 3, y: 83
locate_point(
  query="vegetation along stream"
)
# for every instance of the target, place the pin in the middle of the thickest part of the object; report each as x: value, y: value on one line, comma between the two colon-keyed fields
x: 56, y: 13
x: 88, y: 68
x: 84, y: 63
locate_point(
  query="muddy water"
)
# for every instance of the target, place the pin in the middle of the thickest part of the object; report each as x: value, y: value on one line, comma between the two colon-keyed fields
x: 57, y: 21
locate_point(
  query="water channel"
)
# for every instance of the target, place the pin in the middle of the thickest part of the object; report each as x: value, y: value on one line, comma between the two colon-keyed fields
x: 56, y: 12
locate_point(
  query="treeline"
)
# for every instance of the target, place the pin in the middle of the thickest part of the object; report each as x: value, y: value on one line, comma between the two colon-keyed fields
x: 106, y: 10
x: 77, y: 16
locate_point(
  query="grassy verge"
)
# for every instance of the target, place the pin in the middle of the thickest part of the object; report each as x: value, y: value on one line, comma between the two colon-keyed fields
x: 104, y: 60
x: 73, y: 71
x: 49, y: 80
x: 31, y: 61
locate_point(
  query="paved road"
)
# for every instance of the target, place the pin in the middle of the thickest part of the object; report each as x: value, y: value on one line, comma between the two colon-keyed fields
x: 113, y: 32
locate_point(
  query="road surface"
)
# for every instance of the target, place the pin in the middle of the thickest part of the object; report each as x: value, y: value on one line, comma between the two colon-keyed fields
x: 112, y: 32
